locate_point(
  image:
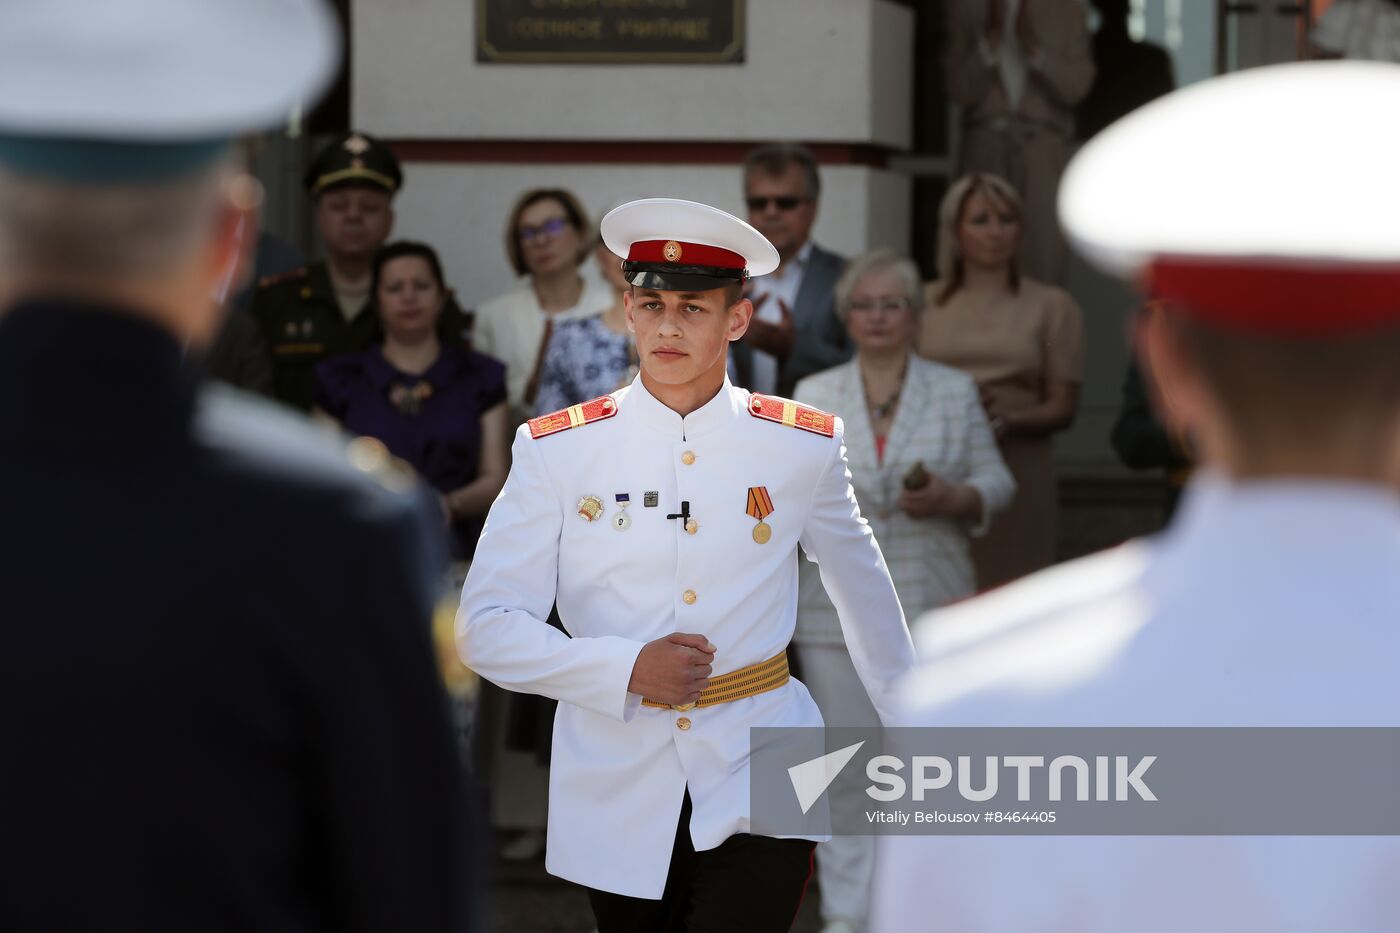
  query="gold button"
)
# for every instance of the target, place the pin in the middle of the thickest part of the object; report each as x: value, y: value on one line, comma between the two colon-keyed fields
x: 688, y: 457
x: 691, y: 526
x: 682, y: 724
x: 689, y: 597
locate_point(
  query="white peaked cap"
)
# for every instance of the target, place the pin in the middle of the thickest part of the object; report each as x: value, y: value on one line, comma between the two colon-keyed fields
x: 160, y: 70
x: 1270, y: 196
x: 670, y: 220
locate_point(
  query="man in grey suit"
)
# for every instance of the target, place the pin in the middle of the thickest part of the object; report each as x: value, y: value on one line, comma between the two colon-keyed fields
x: 794, y: 331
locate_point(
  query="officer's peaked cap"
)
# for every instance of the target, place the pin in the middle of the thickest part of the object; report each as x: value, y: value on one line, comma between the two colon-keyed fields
x: 1262, y: 201
x: 142, y: 89
x: 675, y: 245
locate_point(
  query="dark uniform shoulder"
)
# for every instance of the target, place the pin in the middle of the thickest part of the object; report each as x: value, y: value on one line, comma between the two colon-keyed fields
x: 282, y: 294
x: 598, y: 409
x: 792, y: 414
x: 291, y: 275
x: 265, y: 442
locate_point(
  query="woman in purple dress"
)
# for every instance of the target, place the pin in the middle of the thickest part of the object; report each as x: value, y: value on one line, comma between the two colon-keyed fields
x: 441, y: 408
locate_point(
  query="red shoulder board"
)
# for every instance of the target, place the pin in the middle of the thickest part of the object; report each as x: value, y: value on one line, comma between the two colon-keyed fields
x: 599, y: 409
x: 790, y: 413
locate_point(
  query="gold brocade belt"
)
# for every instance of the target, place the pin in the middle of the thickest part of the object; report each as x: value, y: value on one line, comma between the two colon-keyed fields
x: 745, y: 682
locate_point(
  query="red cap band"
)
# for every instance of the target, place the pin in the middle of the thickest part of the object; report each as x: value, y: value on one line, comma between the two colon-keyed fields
x: 1281, y: 297
x: 687, y: 254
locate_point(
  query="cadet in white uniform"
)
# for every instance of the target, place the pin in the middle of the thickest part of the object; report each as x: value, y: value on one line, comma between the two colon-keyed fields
x: 665, y: 520
x: 1274, y: 597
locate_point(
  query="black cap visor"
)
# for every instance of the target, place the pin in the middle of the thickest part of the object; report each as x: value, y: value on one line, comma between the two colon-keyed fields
x: 677, y: 278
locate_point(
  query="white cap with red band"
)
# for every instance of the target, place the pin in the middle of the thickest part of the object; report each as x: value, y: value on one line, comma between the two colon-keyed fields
x: 1267, y: 200
x: 676, y: 245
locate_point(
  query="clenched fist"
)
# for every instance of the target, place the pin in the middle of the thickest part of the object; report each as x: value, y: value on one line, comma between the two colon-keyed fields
x: 673, y: 669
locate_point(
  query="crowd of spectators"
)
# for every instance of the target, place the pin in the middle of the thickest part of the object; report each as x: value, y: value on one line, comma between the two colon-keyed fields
x: 950, y: 389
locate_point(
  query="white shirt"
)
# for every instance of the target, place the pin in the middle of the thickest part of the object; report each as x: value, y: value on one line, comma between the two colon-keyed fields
x: 1268, y: 603
x: 1011, y: 58
x: 781, y: 286
x: 620, y: 770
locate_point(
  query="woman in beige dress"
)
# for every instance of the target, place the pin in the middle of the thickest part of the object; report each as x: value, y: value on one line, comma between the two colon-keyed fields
x: 1023, y: 342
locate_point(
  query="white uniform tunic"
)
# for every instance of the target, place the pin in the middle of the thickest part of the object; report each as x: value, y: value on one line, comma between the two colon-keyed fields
x: 620, y: 770
x: 1268, y: 603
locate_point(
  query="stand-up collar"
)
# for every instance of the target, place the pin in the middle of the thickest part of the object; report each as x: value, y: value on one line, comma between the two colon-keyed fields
x: 712, y: 416
x: 77, y: 374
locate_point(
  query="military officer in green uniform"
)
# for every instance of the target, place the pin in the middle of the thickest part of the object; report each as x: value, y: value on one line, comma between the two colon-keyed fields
x: 325, y: 308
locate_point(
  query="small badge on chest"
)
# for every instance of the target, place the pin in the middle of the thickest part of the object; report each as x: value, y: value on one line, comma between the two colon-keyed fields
x: 590, y: 508
x: 622, y: 521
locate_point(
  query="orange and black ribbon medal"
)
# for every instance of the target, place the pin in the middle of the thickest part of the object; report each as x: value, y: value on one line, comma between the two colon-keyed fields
x: 760, y: 507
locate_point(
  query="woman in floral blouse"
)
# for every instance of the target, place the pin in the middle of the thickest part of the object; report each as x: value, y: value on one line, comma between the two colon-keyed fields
x: 589, y: 356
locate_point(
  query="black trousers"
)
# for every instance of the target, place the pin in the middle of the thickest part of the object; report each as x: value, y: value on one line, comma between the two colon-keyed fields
x: 748, y: 884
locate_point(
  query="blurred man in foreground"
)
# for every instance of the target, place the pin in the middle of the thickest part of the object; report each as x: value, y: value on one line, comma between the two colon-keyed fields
x: 218, y: 701
x: 1273, y: 598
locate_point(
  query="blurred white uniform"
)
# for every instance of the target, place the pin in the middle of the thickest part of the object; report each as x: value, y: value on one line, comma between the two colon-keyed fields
x: 1272, y: 600
x: 1270, y: 603
x: 620, y: 770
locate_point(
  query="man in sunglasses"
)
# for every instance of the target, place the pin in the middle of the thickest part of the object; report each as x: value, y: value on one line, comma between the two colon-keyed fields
x: 794, y: 331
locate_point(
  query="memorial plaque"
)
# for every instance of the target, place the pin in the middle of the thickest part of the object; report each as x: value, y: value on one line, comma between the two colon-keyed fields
x: 610, y: 31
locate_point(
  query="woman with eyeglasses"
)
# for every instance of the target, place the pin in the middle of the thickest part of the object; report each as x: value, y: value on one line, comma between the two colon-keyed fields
x: 1023, y: 341
x: 547, y: 239
x: 927, y: 475
x: 590, y: 356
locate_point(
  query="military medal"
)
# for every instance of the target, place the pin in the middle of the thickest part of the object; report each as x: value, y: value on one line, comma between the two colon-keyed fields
x: 622, y: 521
x: 760, y: 506
x: 590, y: 508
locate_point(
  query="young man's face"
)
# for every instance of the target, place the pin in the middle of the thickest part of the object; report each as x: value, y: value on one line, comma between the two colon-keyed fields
x: 683, y: 337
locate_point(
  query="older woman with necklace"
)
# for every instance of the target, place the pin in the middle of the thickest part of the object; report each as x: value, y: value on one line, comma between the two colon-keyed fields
x: 927, y: 475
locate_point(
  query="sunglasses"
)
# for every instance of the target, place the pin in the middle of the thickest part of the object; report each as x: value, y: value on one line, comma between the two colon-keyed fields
x: 784, y: 203
x: 552, y: 227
